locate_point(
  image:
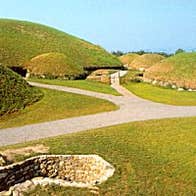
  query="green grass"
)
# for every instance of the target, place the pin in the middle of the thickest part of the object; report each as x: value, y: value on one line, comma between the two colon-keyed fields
x: 128, y: 58
x: 20, y: 41
x: 154, y: 157
x: 179, y: 69
x: 56, y: 105
x: 162, y: 95
x: 146, y: 61
x: 131, y: 76
x: 15, y: 92
x: 81, y: 84
x: 53, y: 65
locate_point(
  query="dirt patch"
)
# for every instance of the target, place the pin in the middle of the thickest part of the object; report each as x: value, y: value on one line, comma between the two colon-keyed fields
x: 11, y: 154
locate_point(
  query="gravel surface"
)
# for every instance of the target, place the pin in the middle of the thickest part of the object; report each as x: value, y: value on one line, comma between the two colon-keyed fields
x: 132, y: 108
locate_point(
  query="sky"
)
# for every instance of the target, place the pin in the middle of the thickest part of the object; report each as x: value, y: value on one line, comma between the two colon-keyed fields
x: 126, y: 25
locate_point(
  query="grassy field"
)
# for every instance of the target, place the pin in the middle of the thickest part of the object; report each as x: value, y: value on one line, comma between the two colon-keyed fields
x: 15, y: 92
x: 56, y: 105
x: 154, y: 157
x: 20, y: 41
x: 81, y: 84
x: 162, y: 95
x: 179, y: 69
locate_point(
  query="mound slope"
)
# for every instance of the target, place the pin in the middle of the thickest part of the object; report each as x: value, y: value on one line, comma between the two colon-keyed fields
x: 15, y: 92
x: 127, y: 59
x: 21, y: 41
x: 146, y: 60
x: 53, y: 64
x: 179, y: 70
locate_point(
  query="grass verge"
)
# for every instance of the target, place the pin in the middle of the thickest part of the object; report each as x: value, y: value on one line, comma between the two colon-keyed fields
x: 154, y: 157
x: 56, y: 105
x: 81, y: 84
x: 161, y: 94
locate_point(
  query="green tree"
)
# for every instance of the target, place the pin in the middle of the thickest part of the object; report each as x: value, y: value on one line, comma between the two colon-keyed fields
x: 179, y: 51
x: 118, y: 53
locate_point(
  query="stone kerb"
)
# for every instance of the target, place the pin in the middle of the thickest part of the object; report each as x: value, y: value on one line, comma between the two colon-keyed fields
x: 77, y: 170
x: 169, y: 84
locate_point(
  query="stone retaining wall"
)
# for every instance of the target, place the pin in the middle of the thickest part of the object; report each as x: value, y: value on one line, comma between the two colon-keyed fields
x: 82, y: 170
x: 170, y: 84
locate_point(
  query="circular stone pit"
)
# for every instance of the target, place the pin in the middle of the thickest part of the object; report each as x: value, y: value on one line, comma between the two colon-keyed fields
x: 63, y: 170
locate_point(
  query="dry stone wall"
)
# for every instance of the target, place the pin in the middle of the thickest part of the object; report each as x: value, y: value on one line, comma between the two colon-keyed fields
x: 81, y: 170
x: 171, y: 84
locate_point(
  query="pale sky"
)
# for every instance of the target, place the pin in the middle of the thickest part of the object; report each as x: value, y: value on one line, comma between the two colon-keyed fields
x: 127, y: 25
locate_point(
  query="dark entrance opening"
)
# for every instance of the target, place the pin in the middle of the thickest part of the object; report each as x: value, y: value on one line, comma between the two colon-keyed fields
x: 141, y: 74
x: 21, y: 71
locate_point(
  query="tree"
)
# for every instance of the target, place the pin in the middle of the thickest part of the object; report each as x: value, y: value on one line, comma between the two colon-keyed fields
x: 179, y: 51
x: 118, y: 53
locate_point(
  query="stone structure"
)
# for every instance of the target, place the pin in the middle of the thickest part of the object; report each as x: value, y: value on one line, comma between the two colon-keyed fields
x: 3, y: 160
x: 100, y: 75
x: 168, y: 84
x: 77, y: 170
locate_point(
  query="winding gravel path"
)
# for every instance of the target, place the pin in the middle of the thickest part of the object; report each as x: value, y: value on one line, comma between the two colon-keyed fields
x: 132, y: 108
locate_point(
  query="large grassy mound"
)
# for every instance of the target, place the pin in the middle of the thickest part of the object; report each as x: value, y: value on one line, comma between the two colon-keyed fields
x: 15, y: 93
x: 146, y: 60
x: 53, y: 64
x: 127, y: 59
x: 21, y: 41
x: 179, y: 69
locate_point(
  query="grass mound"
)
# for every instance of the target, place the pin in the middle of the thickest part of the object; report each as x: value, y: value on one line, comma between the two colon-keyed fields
x: 21, y: 41
x: 146, y: 60
x: 15, y: 93
x: 127, y: 59
x: 53, y: 65
x: 179, y: 70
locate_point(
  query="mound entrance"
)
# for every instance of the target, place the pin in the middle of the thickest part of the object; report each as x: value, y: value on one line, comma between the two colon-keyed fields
x: 19, y: 70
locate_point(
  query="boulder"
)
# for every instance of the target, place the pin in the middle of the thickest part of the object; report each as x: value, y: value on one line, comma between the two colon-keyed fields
x: 3, y: 160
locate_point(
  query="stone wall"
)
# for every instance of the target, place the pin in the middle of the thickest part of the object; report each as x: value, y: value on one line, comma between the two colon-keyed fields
x: 100, y: 75
x: 169, y: 84
x: 82, y: 170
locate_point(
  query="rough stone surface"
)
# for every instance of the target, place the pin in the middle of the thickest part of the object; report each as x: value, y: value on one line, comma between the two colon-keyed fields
x: 100, y: 75
x: 171, y: 84
x: 174, y: 86
x: 64, y: 170
x: 180, y: 89
x: 3, y: 160
x: 141, y: 69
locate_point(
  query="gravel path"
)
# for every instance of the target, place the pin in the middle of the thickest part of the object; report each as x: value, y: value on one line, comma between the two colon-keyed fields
x: 132, y: 108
